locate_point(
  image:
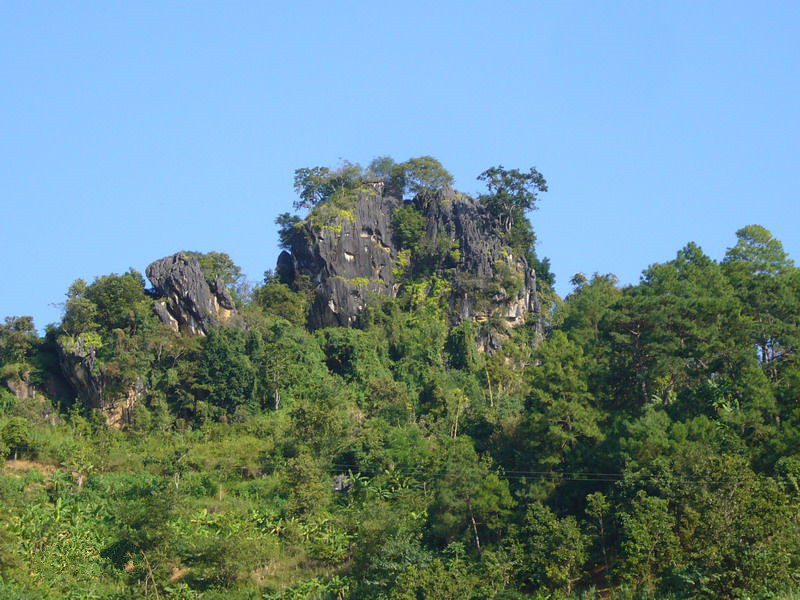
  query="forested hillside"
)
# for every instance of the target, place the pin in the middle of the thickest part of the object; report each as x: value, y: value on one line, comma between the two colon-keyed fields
x: 404, y: 409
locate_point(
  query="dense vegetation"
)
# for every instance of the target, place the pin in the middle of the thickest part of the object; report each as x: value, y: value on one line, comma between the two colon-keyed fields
x: 649, y: 446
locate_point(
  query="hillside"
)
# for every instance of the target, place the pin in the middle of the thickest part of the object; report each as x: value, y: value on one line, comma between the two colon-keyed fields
x: 404, y: 408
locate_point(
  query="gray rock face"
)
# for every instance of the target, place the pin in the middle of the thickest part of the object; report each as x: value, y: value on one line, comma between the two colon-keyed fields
x: 189, y: 303
x: 489, y: 282
x: 345, y: 254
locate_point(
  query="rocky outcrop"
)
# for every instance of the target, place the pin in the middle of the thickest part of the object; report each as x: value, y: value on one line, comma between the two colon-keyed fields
x: 187, y: 302
x: 345, y: 254
x: 77, y: 357
x: 79, y: 362
x: 347, y: 251
x: 20, y: 385
x: 490, y: 284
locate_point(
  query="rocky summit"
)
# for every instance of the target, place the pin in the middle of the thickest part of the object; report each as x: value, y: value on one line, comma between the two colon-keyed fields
x: 346, y: 251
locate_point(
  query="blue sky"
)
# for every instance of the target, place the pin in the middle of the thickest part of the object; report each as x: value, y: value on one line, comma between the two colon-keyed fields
x: 129, y: 131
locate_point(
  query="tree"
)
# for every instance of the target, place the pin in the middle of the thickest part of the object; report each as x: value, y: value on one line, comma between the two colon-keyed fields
x: 120, y: 301
x: 768, y: 284
x: 597, y: 507
x: 17, y: 337
x: 279, y: 299
x: 462, y: 348
x: 555, y: 550
x: 649, y: 543
x: 408, y: 225
x: 80, y: 313
x: 310, y: 487
x: 225, y: 371
x: 311, y: 184
x: 218, y: 264
x: 758, y: 252
x: 674, y: 331
x: 422, y: 175
x: 511, y: 193
x: 584, y: 309
x: 471, y: 502
x: 561, y: 409
x: 385, y: 168
x: 316, y: 185
x: 15, y: 435
x: 287, y: 230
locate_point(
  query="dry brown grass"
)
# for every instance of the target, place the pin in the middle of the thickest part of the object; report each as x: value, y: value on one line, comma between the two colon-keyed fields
x: 20, y: 466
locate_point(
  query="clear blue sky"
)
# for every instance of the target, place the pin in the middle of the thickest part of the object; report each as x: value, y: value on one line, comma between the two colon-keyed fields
x: 129, y: 131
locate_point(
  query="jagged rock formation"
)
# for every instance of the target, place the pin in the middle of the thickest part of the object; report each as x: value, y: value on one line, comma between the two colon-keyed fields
x: 488, y: 281
x: 188, y: 302
x: 344, y: 253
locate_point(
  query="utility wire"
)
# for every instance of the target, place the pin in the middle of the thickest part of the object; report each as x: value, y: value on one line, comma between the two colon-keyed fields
x: 583, y: 476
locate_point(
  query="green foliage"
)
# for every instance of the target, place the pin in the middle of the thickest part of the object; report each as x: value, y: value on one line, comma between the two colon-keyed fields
x: 112, y: 302
x: 554, y: 550
x: 352, y: 354
x: 17, y: 338
x: 317, y: 185
x: 649, y: 541
x: 767, y: 283
x: 422, y: 175
x: 408, y: 224
x: 646, y: 444
x: 15, y: 436
x: 225, y: 372
x: 280, y: 300
x: 470, y: 501
x: 562, y: 412
x: 461, y: 347
x: 287, y: 229
x: 218, y: 265
x: 310, y: 489
x: 511, y: 193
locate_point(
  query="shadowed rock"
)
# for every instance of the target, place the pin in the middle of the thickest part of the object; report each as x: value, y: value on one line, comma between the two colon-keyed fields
x: 78, y: 357
x: 79, y: 363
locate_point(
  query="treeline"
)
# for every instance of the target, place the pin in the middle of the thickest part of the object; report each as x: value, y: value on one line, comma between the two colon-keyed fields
x: 649, y: 446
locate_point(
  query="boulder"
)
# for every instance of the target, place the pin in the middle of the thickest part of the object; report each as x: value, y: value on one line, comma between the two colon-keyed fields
x: 187, y: 301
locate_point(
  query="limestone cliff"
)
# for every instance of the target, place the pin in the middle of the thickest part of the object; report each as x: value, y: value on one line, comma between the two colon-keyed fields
x: 345, y: 254
x: 188, y: 302
x: 488, y: 281
x: 345, y: 251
